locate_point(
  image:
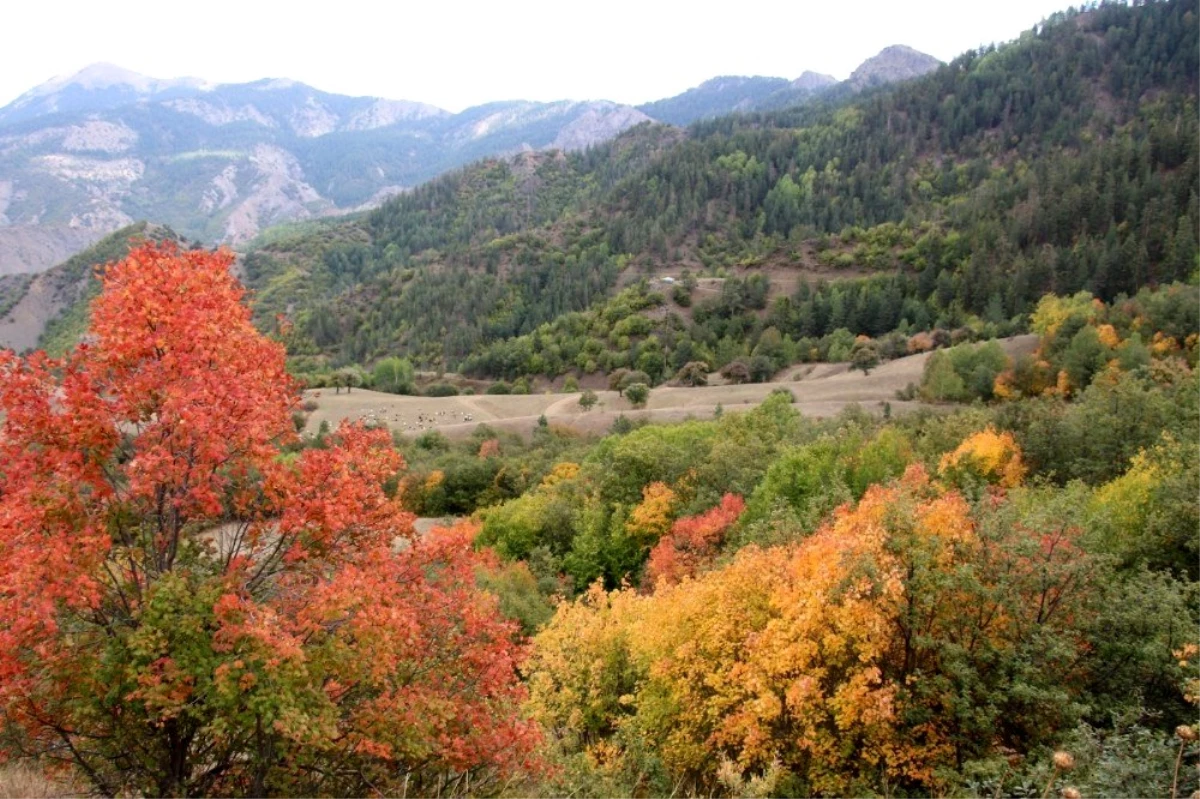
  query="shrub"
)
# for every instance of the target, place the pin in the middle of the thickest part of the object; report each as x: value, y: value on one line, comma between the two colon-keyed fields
x: 736, y: 372
x: 638, y: 394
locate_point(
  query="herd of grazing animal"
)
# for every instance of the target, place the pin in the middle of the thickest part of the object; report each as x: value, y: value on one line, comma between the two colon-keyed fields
x: 423, y: 421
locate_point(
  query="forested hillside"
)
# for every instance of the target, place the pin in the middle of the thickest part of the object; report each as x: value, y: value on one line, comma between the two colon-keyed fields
x: 1066, y: 160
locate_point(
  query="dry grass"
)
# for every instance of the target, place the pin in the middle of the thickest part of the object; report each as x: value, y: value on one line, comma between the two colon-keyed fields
x: 823, y: 390
x: 21, y: 781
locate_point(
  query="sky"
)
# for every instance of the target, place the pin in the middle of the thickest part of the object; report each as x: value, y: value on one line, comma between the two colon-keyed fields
x: 456, y: 54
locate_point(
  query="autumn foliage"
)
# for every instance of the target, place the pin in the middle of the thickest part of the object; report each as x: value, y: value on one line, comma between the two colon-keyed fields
x: 989, y: 456
x: 838, y: 664
x: 693, y: 542
x: 186, y: 610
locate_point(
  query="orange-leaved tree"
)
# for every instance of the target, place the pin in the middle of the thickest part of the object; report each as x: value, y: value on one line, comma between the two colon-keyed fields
x: 186, y: 609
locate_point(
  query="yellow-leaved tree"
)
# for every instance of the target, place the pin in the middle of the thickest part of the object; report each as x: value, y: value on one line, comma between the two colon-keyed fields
x: 842, y: 664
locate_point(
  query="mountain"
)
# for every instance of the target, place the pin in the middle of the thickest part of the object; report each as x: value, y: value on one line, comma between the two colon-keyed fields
x: 98, y: 87
x: 87, y: 154
x: 734, y: 94
x: 812, y: 82
x: 892, y: 64
x: 716, y: 97
x: 1067, y: 160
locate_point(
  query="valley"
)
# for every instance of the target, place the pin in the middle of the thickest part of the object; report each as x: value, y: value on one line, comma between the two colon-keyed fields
x: 818, y: 395
x: 796, y: 438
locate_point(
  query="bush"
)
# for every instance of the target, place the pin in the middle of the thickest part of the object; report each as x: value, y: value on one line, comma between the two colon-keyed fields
x: 615, y: 378
x: 693, y: 373
x: 433, y: 441
x: 622, y: 425
x: 736, y: 372
x: 635, y: 376
x: 865, y: 356
x: 499, y: 387
x: 441, y: 390
x: 637, y: 394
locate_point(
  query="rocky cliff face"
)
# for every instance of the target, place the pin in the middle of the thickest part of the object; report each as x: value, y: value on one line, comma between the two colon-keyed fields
x: 84, y: 155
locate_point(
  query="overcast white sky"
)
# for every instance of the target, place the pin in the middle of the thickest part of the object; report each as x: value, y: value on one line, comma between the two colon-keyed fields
x: 456, y: 54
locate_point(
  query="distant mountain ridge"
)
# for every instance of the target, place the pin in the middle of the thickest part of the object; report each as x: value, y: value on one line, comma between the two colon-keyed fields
x: 86, y: 154
x: 723, y: 95
x: 1062, y: 161
x: 97, y: 87
x: 732, y: 94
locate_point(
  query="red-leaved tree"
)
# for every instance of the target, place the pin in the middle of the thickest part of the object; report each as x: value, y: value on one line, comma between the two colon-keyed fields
x: 692, y: 543
x: 186, y: 608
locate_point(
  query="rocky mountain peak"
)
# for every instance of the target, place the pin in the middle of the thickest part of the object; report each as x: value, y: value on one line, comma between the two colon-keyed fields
x: 895, y: 63
x: 812, y: 81
x: 105, y: 76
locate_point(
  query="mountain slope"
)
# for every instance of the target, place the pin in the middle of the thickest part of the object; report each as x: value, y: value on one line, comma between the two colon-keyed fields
x: 49, y: 310
x: 967, y: 193
x: 85, y: 154
x: 104, y: 147
x: 715, y: 97
x: 736, y: 94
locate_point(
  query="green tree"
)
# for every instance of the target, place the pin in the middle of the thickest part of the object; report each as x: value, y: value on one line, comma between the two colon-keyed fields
x: 637, y: 394
x: 940, y: 381
x: 347, y: 377
x: 864, y: 355
x: 636, y: 376
x: 393, y: 375
x: 1085, y: 356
